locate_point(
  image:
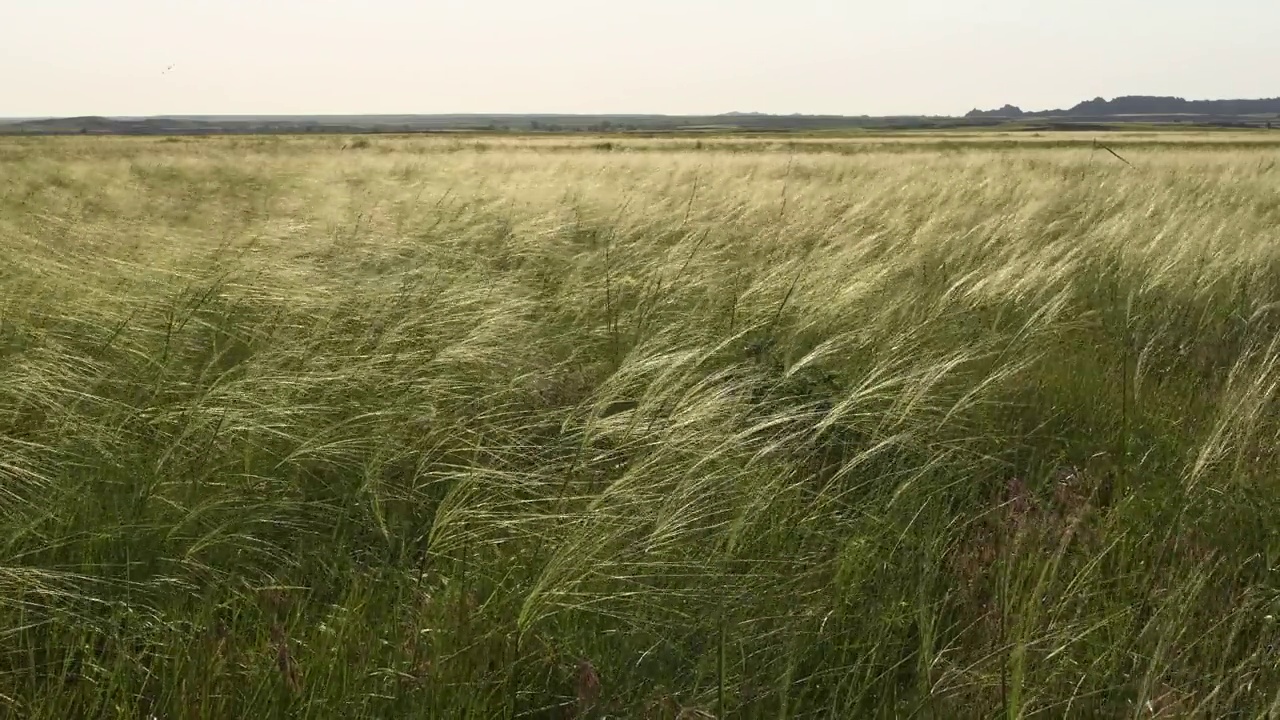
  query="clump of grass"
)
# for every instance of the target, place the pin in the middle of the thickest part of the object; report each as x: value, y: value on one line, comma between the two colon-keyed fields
x: 547, y: 431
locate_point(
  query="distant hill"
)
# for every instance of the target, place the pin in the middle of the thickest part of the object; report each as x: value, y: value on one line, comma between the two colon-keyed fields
x: 1131, y: 105
x: 1097, y: 114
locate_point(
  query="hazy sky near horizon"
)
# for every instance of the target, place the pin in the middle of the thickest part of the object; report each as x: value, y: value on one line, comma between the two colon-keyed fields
x: 109, y: 57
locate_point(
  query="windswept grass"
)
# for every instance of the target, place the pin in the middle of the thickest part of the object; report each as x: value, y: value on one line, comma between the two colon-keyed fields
x: 409, y: 429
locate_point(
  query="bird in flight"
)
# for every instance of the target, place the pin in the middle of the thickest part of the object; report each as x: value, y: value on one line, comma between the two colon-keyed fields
x: 166, y: 70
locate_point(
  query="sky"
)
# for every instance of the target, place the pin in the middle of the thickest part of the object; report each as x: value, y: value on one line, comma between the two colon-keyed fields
x: 851, y: 57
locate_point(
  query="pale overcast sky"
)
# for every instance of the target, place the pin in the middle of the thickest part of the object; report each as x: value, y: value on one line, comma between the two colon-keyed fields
x: 109, y: 57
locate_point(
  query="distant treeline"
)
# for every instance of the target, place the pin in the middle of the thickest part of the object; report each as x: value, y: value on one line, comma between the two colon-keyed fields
x: 1093, y: 115
x: 1130, y: 105
x: 467, y: 123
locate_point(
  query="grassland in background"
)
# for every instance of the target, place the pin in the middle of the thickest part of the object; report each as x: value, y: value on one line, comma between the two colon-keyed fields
x: 442, y: 428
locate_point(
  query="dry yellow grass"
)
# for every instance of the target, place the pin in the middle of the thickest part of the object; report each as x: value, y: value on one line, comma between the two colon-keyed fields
x: 810, y: 428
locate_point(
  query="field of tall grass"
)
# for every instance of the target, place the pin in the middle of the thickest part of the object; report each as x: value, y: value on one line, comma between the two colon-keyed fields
x: 443, y: 428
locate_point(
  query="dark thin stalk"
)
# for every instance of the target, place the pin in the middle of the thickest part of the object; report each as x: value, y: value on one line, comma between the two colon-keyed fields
x: 688, y: 208
x: 1097, y: 145
x: 722, y: 707
x: 786, y: 182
